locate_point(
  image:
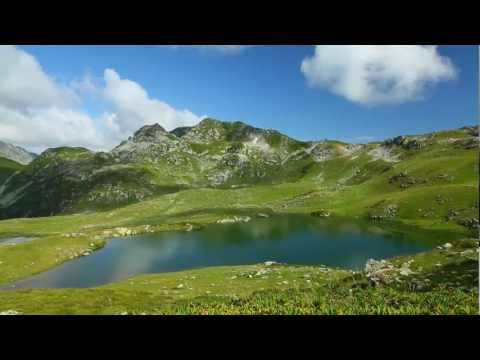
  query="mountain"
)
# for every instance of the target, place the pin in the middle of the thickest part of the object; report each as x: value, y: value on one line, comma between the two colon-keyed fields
x: 8, y: 168
x: 212, y: 154
x: 16, y: 153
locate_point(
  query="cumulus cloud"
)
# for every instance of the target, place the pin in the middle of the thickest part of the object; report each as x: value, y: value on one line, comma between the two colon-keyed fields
x: 377, y: 74
x: 37, y: 112
x: 51, y: 127
x: 24, y: 84
x: 133, y: 107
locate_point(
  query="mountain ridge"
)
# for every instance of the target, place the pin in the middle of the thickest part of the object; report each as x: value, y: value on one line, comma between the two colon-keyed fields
x: 214, y: 154
x: 16, y: 153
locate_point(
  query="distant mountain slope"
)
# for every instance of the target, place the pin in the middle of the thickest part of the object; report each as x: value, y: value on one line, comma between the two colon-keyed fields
x: 16, y: 153
x: 220, y: 154
x: 7, y: 168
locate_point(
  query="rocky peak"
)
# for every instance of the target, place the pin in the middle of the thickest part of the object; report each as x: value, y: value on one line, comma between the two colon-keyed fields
x: 16, y: 153
x: 181, y: 131
x: 471, y: 130
x: 149, y: 133
x: 209, y: 122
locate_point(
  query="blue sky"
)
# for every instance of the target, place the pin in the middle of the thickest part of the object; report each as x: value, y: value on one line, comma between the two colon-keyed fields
x: 266, y: 87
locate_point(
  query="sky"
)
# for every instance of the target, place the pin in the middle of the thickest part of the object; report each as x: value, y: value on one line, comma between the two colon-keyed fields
x: 97, y: 96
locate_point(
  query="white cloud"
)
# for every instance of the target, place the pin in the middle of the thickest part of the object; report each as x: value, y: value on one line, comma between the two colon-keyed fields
x: 134, y: 108
x: 24, y: 84
x: 377, y: 74
x: 51, y: 127
x: 88, y: 84
x: 36, y: 112
x: 223, y: 49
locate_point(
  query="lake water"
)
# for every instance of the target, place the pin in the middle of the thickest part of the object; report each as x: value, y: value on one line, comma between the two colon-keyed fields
x: 286, y: 239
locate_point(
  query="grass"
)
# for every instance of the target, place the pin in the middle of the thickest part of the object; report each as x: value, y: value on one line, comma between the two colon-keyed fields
x: 7, y: 168
x: 201, y: 207
x: 440, y: 178
x: 279, y: 289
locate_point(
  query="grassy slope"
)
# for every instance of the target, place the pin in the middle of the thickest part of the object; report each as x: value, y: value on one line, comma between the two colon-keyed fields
x: 451, y: 289
x: 7, y: 168
x: 203, y: 206
x: 445, y: 178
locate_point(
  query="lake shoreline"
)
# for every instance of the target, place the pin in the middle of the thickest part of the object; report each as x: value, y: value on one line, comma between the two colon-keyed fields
x: 389, y: 227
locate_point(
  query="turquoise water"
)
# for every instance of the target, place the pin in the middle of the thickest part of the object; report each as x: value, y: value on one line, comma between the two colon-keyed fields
x: 286, y: 239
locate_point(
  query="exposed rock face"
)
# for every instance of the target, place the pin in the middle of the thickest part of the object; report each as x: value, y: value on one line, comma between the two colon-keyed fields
x: 404, y: 142
x: 181, y: 131
x: 16, y: 153
x: 149, y: 133
x: 213, y: 153
x: 472, y: 130
x: 383, y: 152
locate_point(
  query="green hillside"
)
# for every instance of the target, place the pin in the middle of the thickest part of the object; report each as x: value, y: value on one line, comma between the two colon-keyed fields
x: 7, y: 168
x: 192, y: 177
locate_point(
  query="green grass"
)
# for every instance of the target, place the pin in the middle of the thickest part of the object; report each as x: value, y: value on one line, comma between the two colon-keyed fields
x: 282, y: 289
x: 440, y: 178
x: 7, y: 168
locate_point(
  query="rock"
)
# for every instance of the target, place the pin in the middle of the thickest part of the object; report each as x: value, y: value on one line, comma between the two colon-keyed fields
x: 262, y: 272
x: 378, y: 271
x: 180, y: 286
x: 321, y: 213
x: 447, y: 246
x: 188, y: 227
x: 472, y: 224
x: 418, y: 285
x: 467, y: 252
x: 10, y: 312
x: 269, y: 263
x: 262, y: 215
x: 405, y: 272
x: 452, y: 214
x: 121, y: 231
x: 235, y: 219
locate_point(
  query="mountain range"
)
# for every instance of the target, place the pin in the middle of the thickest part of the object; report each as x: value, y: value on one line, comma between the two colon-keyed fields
x: 213, y: 154
x: 16, y: 153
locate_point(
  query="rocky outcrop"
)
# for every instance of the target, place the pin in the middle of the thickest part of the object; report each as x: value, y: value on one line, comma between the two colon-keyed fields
x: 404, y: 142
x: 16, y: 153
x: 322, y: 213
x: 234, y: 219
x: 211, y: 154
x: 384, y: 272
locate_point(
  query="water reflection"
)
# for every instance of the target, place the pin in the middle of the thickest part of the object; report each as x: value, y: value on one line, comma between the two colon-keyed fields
x: 288, y: 239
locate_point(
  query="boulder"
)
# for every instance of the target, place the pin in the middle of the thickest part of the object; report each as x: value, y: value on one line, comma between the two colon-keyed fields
x: 235, y: 219
x: 322, y: 213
